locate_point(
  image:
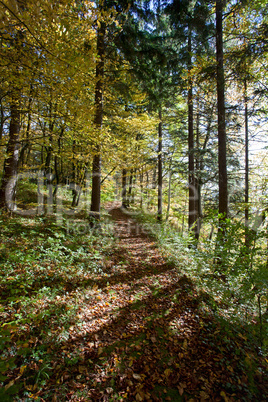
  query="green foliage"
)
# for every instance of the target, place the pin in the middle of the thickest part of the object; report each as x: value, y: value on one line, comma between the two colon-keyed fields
x: 45, y: 275
x: 237, y: 289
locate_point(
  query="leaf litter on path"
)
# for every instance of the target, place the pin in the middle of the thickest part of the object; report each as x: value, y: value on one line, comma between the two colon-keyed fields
x: 140, y: 334
x: 148, y: 337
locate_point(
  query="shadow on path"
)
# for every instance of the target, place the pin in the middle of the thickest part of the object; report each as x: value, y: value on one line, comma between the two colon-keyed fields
x: 146, y: 335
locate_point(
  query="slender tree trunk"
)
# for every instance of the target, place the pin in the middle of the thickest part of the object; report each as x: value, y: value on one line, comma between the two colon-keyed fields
x: 147, y: 190
x: 96, y: 167
x: 56, y: 169
x: 74, y: 175
x: 43, y: 128
x: 48, y: 169
x: 141, y: 187
x: 48, y: 158
x: 49, y: 148
x: 124, y: 188
x: 191, y: 160
x: 247, y: 240
x: 154, y: 180
x: 198, y: 205
x: 169, y: 194
x: 160, y: 170
x: 2, y: 121
x: 223, y: 189
x: 26, y: 145
x: 130, y: 185
x: 134, y: 180
x: 184, y: 214
x: 7, y: 189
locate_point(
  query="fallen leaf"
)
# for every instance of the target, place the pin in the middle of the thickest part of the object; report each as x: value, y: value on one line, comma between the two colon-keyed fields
x: 167, y: 372
x: 9, y: 384
x: 137, y: 376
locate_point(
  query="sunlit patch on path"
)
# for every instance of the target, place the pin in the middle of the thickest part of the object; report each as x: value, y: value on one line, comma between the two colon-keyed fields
x: 144, y: 333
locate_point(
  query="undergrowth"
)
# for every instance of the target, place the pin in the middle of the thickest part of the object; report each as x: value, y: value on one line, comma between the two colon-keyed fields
x: 46, y: 275
x: 237, y: 290
x: 60, y: 283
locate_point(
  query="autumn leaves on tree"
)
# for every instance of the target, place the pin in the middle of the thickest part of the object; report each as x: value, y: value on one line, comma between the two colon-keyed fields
x: 90, y: 84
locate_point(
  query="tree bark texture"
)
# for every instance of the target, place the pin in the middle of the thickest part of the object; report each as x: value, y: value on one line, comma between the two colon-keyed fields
x: 247, y: 240
x: 124, y: 188
x: 7, y: 189
x: 160, y: 169
x: 192, y: 213
x: 222, y: 164
x: 96, y: 167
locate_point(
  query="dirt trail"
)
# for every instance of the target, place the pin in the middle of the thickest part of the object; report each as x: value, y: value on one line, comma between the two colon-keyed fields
x: 147, y: 335
x: 123, y: 324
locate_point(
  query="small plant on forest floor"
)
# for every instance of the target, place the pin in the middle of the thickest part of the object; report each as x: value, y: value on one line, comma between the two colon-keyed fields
x: 240, y: 292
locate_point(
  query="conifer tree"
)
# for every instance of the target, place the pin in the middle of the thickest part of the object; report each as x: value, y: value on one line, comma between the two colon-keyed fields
x: 223, y: 189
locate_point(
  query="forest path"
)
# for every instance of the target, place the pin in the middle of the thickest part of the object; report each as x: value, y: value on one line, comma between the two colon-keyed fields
x: 149, y: 336
x: 107, y: 318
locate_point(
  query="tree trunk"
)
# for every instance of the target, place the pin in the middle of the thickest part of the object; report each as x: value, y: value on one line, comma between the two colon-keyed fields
x: 192, y: 218
x: 247, y: 240
x: 58, y: 173
x: 169, y: 194
x: 2, y: 120
x: 222, y: 165
x: 130, y: 185
x: 96, y: 167
x: 154, y: 180
x: 141, y: 188
x: 133, y: 188
x: 7, y: 189
x: 26, y: 145
x: 56, y: 176
x: 147, y: 190
x: 124, y: 188
x: 74, y: 175
x: 160, y: 170
x: 198, y: 205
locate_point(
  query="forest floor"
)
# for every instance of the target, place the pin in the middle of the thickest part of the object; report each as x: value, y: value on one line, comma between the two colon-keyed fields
x: 139, y: 333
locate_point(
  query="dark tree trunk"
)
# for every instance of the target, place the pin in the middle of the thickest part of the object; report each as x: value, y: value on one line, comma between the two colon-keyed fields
x: 192, y: 218
x: 133, y: 187
x: 124, y: 188
x: 147, y: 190
x: 49, y: 148
x: 56, y: 176
x: 130, y: 184
x: 74, y: 175
x: 160, y: 170
x: 154, y: 180
x: 222, y: 165
x: 26, y: 145
x: 247, y: 240
x: 58, y: 173
x: 7, y: 189
x: 96, y: 167
x: 169, y: 193
x: 141, y: 188
x: 2, y: 120
x: 198, y: 205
